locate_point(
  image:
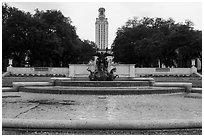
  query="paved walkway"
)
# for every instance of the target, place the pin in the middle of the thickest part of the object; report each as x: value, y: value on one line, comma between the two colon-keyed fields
x: 22, y: 105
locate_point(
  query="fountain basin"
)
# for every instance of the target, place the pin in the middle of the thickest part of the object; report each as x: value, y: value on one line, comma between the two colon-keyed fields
x: 101, y: 90
x: 102, y: 83
x: 101, y: 124
x: 150, y: 111
x: 134, y: 86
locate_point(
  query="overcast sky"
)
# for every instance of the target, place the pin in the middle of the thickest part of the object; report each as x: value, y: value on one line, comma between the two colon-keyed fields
x: 83, y: 15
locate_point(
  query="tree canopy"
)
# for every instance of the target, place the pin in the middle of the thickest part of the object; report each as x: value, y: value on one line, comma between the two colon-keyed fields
x: 47, y: 37
x: 145, y: 41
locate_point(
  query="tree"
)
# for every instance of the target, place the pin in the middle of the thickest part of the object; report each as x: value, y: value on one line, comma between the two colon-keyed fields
x: 144, y: 42
x: 14, y: 33
x: 48, y: 36
x: 59, y: 43
x: 88, y: 49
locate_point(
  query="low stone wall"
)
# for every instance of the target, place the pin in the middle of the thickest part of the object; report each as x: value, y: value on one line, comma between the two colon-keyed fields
x: 79, y: 70
x: 165, y: 71
x: 129, y: 70
x: 38, y: 71
x: 123, y: 70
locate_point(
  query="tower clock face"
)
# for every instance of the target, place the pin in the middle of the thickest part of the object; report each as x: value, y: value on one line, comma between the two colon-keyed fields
x: 101, y: 12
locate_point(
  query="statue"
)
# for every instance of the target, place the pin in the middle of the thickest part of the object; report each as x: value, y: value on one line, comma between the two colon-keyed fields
x: 101, y: 73
x: 111, y: 76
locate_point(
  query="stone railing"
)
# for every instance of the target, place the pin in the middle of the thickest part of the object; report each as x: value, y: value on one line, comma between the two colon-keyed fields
x: 123, y: 70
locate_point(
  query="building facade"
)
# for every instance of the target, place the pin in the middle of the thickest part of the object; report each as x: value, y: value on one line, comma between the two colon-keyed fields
x: 101, y: 30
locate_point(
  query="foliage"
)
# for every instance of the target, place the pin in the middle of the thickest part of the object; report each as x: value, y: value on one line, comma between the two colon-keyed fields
x: 143, y: 42
x: 47, y: 37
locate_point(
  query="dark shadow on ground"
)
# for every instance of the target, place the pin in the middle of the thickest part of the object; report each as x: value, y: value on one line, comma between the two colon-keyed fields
x: 10, y: 131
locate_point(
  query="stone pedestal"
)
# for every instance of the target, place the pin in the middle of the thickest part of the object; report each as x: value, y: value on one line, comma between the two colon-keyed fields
x: 193, y: 68
x: 193, y: 62
x: 10, y: 62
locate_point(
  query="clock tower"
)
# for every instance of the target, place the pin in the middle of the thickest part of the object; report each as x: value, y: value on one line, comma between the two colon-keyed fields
x: 101, y: 31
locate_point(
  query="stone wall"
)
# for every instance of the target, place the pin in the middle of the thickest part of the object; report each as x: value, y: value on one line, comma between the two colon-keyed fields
x: 38, y: 70
x: 123, y: 70
x: 79, y: 70
x: 164, y: 71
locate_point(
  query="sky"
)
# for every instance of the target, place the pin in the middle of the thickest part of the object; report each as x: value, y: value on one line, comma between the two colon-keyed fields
x: 84, y: 14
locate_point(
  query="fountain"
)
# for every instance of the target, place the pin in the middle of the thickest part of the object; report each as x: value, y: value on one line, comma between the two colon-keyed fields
x: 101, y: 103
x: 101, y: 72
x: 102, y: 80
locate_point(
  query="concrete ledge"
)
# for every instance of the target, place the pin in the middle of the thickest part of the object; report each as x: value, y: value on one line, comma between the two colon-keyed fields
x: 150, y: 80
x: 8, y: 89
x: 187, y: 86
x: 17, y: 85
x: 60, y: 78
x: 193, y: 95
x: 56, y: 79
x: 196, y: 90
x: 101, y: 124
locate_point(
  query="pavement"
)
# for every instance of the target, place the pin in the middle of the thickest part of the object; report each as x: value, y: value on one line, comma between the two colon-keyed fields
x: 152, y: 107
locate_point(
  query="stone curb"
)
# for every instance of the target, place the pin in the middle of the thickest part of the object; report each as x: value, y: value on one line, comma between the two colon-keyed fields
x: 150, y: 80
x: 101, y: 124
x: 142, y: 79
x: 8, y: 89
x: 196, y: 90
x: 54, y: 80
x: 17, y: 85
x: 187, y: 86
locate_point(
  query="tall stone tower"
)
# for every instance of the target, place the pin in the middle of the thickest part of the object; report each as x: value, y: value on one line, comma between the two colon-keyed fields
x: 101, y: 30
